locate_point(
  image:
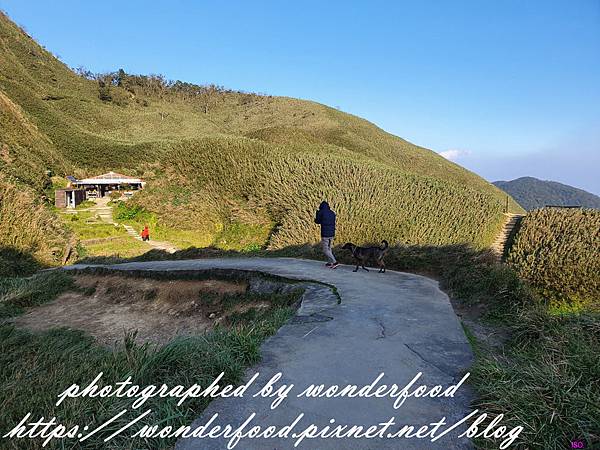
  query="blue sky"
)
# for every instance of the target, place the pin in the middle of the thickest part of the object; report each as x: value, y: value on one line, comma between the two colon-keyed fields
x: 506, y: 88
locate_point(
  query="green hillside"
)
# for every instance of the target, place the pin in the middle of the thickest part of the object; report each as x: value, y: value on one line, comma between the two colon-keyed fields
x: 556, y: 251
x: 223, y: 165
x: 532, y: 193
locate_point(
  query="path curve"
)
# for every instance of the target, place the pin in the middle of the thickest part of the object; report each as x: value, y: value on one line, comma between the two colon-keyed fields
x: 397, y: 323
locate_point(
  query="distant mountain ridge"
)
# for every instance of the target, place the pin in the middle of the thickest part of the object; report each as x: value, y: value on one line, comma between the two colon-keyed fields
x: 532, y: 193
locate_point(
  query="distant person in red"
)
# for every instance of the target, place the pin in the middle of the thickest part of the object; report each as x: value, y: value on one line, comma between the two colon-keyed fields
x: 145, y: 234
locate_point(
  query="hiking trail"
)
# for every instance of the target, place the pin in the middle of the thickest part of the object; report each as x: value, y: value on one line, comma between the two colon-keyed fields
x: 396, y: 323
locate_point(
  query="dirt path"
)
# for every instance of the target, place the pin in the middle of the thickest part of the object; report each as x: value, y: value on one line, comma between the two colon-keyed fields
x: 161, y: 245
x: 397, y: 323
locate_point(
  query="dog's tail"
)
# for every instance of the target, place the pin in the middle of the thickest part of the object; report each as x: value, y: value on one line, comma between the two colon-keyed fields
x: 385, y: 245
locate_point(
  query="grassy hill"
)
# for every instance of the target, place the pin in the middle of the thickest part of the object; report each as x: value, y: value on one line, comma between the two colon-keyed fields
x: 532, y: 193
x: 231, y: 168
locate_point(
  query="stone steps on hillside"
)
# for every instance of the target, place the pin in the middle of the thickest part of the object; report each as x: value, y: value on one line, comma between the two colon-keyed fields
x: 500, y: 244
x: 105, y: 213
x: 134, y: 234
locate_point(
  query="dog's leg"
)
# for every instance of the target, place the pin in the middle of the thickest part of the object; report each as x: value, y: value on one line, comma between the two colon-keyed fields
x: 356, y: 270
x: 363, y: 266
x: 382, y: 266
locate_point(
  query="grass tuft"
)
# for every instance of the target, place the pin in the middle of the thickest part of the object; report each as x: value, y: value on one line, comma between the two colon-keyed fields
x: 19, y: 293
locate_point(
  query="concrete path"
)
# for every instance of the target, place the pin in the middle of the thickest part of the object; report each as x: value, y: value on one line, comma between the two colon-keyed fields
x: 103, y: 210
x: 396, y: 323
x: 160, y: 245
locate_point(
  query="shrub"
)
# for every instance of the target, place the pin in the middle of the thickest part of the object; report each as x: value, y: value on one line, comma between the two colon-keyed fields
x: 86, y: 204
x: 556, y: 251
x: 104, y: 91
x: 130, y: 212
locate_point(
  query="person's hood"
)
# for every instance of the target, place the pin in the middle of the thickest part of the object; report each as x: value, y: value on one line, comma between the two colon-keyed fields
x: 324, y: 205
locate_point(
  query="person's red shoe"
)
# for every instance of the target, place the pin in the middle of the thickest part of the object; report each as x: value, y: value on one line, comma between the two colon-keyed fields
x: 328, y: 264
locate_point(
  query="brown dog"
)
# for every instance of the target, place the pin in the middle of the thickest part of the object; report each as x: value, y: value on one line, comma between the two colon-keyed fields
x: 362, y: 254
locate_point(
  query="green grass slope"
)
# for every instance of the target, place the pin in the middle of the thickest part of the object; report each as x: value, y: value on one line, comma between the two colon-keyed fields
x: 224, y: 164
x: 556, y: 250
x: 29, y: 233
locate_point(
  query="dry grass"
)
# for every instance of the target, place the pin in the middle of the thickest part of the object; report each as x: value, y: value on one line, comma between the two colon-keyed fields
x: 27, y: 226
x: 556, y: 250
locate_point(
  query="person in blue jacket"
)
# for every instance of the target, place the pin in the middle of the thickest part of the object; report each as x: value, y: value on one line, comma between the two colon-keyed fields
x: 326, y: 218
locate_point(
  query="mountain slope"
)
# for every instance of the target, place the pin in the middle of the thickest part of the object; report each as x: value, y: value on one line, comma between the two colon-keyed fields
x: 532, y: 193
x: 218, y: 160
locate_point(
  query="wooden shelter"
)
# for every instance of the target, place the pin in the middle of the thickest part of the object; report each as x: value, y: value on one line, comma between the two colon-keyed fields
x: 78, y: 191
x: 102, y: 185
x: 69, y: 197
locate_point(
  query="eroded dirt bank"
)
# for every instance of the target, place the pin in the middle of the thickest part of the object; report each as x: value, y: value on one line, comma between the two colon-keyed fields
x: 109, y: 306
